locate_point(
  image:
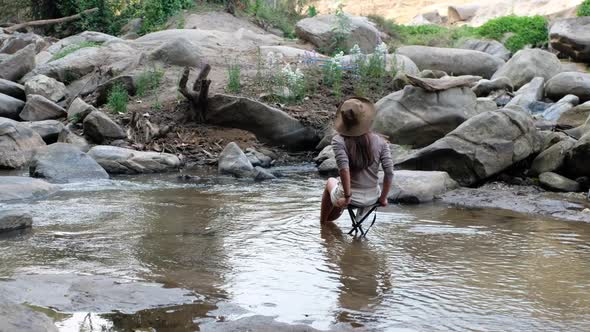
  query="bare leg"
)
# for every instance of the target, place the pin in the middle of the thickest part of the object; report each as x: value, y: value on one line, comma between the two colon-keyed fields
x: 329, y: 212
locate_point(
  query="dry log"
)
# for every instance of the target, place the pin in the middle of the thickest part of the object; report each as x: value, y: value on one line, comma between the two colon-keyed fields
x: 198, y: 95
x: 19, y: 26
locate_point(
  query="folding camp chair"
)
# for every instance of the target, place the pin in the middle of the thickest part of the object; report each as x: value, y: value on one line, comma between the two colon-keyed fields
x: 362, y: 213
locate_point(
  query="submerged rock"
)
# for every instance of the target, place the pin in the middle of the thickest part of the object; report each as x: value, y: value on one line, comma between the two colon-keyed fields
x: 413, y: 187
x: 233, y: 161
x: 65, y: 163
x: 116, y: 160
x: 12, y: 220
x: 17, y: 143
x: 262, y: 174
x: 24, y: 188
x: 527, y: 64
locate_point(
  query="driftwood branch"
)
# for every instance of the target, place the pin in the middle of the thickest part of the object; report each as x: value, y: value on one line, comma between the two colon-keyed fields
x: 199, y: 93
x: 19, y: 26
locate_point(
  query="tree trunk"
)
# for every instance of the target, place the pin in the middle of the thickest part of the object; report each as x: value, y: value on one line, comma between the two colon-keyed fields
x: 198, y: 95
x: 16, y: 27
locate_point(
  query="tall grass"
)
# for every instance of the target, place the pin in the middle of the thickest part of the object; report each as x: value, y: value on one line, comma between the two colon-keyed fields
x: 73, y: 48
x: 118, y: 99
x: 233, y: 78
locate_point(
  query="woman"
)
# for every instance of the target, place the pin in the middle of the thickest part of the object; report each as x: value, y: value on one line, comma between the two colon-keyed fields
x: 358, y: 155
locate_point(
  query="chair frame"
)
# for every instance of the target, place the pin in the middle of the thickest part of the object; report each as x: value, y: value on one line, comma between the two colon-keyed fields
x: 357, y: 225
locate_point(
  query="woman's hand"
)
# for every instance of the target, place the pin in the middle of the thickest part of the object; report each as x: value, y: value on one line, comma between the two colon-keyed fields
x: 383, y: 201
x: 343, y: 202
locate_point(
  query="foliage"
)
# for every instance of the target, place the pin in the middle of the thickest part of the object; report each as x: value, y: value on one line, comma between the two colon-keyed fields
x: 340, y: 30
x: 73, y: 48
x: 526, y: 30
x: 148, y: 80
x: 281, y: 16
x: 155, y: 13
x: 233, y: 73
x: 294, y: 82
x: 118, y: 99
x: 332, y: 74
x: 584, y: 9
x: 369, y: 70
x: 312, y: 11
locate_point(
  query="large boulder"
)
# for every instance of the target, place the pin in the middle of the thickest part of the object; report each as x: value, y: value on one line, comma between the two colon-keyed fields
x: 319, y: 30
x: 574, y: 83
x: 116, y: 160
x: 65, y: 163
x: 12, y: 89
x: 401, y: 63
x: 528, y: 94
x: 416, y: 117
x: 39, y: 108
x: 99, y: 127
x: 13, y: 220
x: 419, y: 186
x: 571, y: 37
x: 14, y: 188
x: 81, y: 38
x: 47, y: 87
x: 574, y: 117
x: 556, y: 182
x: 10, y: 107
x: 49, y: 130
x: 17, y: 65
x: 527, y: 64
x: 552, y: 158
x: 18, y: 317
x: 233, y: 161
x: 270, y: 125
x: 453, y: 60
x: 17, y: 143
x: 481, y: 147
x: 17, y: 41
x: 553, y: 112
x: 178, y: 52
x: 578, y: 159
x: 491, y: 47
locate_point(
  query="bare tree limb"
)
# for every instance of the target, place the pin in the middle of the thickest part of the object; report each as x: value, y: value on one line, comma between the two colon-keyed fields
x: 16, y: 27
x: 199, y: 95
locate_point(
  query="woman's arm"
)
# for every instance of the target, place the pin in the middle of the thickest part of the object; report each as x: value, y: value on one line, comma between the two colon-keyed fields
x: 345, y: 180
x: 387, y: 164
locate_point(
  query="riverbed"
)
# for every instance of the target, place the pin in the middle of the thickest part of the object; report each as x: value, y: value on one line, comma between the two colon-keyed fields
x: 154, y: 251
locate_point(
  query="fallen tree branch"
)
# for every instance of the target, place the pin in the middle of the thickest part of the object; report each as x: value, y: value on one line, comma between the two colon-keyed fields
x: 199, y: 93
x: 16, y: 27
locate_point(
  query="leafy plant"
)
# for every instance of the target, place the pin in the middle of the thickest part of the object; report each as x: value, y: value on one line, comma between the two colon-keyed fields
x: 73, y: 48
x: 280, y: 16
x: 312, y: 11
x: 341, y: 30
x: 369, y: 70
x: 526, y: 31
x: 584, y: 9
x: 332, y: 74
x: 233, y: 73
x: 118, y: 99
x: 295, y: 83
x: 148, y: 80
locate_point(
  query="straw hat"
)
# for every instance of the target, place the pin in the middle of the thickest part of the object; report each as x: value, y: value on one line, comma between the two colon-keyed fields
x: 355, y: 117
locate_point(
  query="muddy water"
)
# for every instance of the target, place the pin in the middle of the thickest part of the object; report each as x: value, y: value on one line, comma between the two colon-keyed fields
x: 246, y: 249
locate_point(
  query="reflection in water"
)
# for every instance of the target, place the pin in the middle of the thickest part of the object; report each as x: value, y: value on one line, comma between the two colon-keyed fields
x: 259, y: 247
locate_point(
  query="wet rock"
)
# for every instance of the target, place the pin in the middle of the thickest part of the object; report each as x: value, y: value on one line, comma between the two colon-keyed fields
x: 567, y: 83
x: 118, y: 160
x: 258, y: 159
x: 491, y: 47
x: 99, y: 127
x: 527, y: 64
x: 574, y: 117
x: 65, y: 163
x: 451, y: 60
x: 482, y: 146
x: 178, y: 52
x: 417, y: 118
x: 577, y: 161
x: 10, y: 107
x: 414, y: 187
x: 326, y: 153
x: 262, y: 174
x: 17, y: 65
x: 485, y: 87
x: 233, y: 161
x: 528, y: 94
x: 16, y: 188
x: 78, y: 110
x: 17, y: 41
x: 39, y: 108
x: 12, y: 89
x: 328, y: 167
x: 17, y: 317
x: 556, y: 182
x: 319, y: 30
x: 270, y: 125
x: 46, y: 87
x: 103, y: 90
x: 553, y: 158
x: 12, y: 220
x: 67, y: 136
x: 17, y: 143
x: 570, y: 38
x: 49, y: 130
x: 563, y: 105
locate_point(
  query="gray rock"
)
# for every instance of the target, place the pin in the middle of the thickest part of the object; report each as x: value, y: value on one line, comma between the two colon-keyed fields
x: 16, y: 188
x: 17, y: 65
x: 10, y: 107
x: 12, y: 89
x: 482, y: 146
x: 12, y: 220
x: 78, y: 110
x: 258, y: 159
x: 99, y: 127
x: 571, y: 37
x: 40, y: 108
x: 417, y: 118
x: 65, y: 163
x: 233, y: 161
x: 563, y: 105
x: 578, y: 159
x: 485, y: 105
x: 485, y: 87
x: 460, y: 13
x: 401, y: 63
x: 556, y: 182
x: 400, y: 152
x: 178, y: 52
x: 49, y: 130
x: 573, y: 83
x: 549, y: 138
x: 118, y: 160
x: 528, y: 94
x: 491, y: 47
x: 319, y: 30
x: 327, y: 139
x: 103, y: 90
x: 17, y: 41
x: 67, y: 136
x: 262, y: 174
x: 552, y: 158
x: 133, y: 27
x: 328, y: 167
x: 86, y: 36
x: 17, y: 317
x: 527, y: 64
x: 414, y: 187
x: 452, y: 60
x: 326, y: 153
x: 45, y: 86
x: 574, y: 117
x: 17, y: 143
x: 270, y: 125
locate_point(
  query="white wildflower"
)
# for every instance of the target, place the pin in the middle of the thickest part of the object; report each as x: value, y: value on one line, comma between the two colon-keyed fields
x: 381, y: 48
x: 356, y: 50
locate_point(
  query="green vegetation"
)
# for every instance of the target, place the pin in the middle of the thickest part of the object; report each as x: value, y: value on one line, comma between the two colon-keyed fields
x: 312, y: 11
x: 370, y: 70
x: 584, y: 9
x: 526, y: 30
x: 148, y: 80
x: 233, y: 73
x: 281, y: 16
x: 332, y: 74
x: 118, y: 99
x: 73, y: 48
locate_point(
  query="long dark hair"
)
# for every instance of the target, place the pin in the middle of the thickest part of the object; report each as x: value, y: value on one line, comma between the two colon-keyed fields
x: 359, y: 150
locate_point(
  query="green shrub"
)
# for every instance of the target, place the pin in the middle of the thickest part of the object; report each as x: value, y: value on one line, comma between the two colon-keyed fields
x: 118, y: 99
x: 148, y: 80
x: 340, y: 31
x: 73, y: 48
x: 156, y: 13
x: 584, y: 9
x: 280, y: 17
x: 312, y: 11
x: 233, y: 82
x: 525, y: 30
